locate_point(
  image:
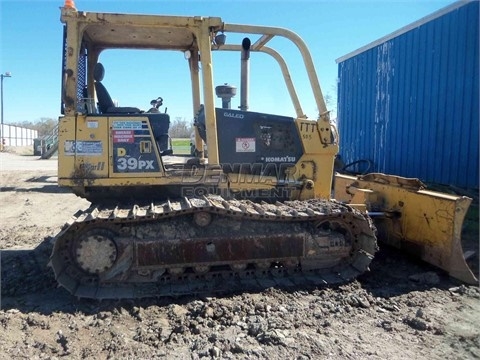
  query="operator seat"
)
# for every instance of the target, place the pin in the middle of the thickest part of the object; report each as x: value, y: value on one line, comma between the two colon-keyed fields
x: 105, y: 102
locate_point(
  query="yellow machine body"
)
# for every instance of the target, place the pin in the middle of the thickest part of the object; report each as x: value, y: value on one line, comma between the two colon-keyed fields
x: 257, y: 211
x: 88, y: 34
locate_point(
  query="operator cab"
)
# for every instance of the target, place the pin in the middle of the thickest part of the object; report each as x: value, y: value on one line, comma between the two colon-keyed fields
x: 105, y: 106
x: 105, y: 102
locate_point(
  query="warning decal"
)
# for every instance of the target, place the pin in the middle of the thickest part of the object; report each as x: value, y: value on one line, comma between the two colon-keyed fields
x: 122, y: 136
x: 245, y: 144
x: 85, y: 148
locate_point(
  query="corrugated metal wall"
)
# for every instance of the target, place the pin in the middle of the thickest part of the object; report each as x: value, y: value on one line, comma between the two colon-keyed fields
x: 17, y: 136
x: 410, y: 103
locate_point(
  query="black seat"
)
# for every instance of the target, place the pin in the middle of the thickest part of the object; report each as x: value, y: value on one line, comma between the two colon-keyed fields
x: 160, y: 123
x: 105, y: 102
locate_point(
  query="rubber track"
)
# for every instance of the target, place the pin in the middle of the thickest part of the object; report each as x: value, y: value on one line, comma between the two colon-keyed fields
x: 313, y: 210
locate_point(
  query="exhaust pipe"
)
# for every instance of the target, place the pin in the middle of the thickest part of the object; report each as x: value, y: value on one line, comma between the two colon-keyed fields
x: 244, y: 75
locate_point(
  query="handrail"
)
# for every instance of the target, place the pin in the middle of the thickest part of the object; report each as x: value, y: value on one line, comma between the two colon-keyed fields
x: 52, y: 139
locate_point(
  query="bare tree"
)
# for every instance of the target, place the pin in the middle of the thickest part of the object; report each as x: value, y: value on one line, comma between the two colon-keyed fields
x: 181, y: 128
x: 44, y: 126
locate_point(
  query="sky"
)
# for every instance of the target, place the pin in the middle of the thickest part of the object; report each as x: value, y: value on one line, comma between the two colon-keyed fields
x: 31, y: 50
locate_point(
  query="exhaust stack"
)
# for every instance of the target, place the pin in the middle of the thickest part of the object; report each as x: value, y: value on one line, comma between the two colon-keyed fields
x: 244, y: 75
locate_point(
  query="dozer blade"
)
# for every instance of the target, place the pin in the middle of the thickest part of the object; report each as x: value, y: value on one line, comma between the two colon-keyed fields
x: 409, y: 217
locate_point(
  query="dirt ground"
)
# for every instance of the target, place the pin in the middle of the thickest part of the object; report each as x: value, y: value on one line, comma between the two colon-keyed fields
x: 401, y: 309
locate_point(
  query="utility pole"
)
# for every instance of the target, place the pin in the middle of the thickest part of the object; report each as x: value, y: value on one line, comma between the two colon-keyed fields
x: 7, y: 74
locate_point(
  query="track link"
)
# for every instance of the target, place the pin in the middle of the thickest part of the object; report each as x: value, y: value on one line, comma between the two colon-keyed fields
x: 205, y: 245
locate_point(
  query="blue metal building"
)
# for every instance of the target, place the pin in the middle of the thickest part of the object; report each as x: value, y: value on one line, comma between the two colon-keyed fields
x: 409, y: 102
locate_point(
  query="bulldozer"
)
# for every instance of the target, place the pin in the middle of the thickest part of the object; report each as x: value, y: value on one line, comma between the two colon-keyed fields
x: 264, y: 208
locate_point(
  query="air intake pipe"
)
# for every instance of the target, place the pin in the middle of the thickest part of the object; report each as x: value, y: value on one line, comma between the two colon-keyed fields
x: 226, y: 93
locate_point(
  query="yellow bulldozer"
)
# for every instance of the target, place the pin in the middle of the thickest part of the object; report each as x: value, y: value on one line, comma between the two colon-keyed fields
x: 258, y: 211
